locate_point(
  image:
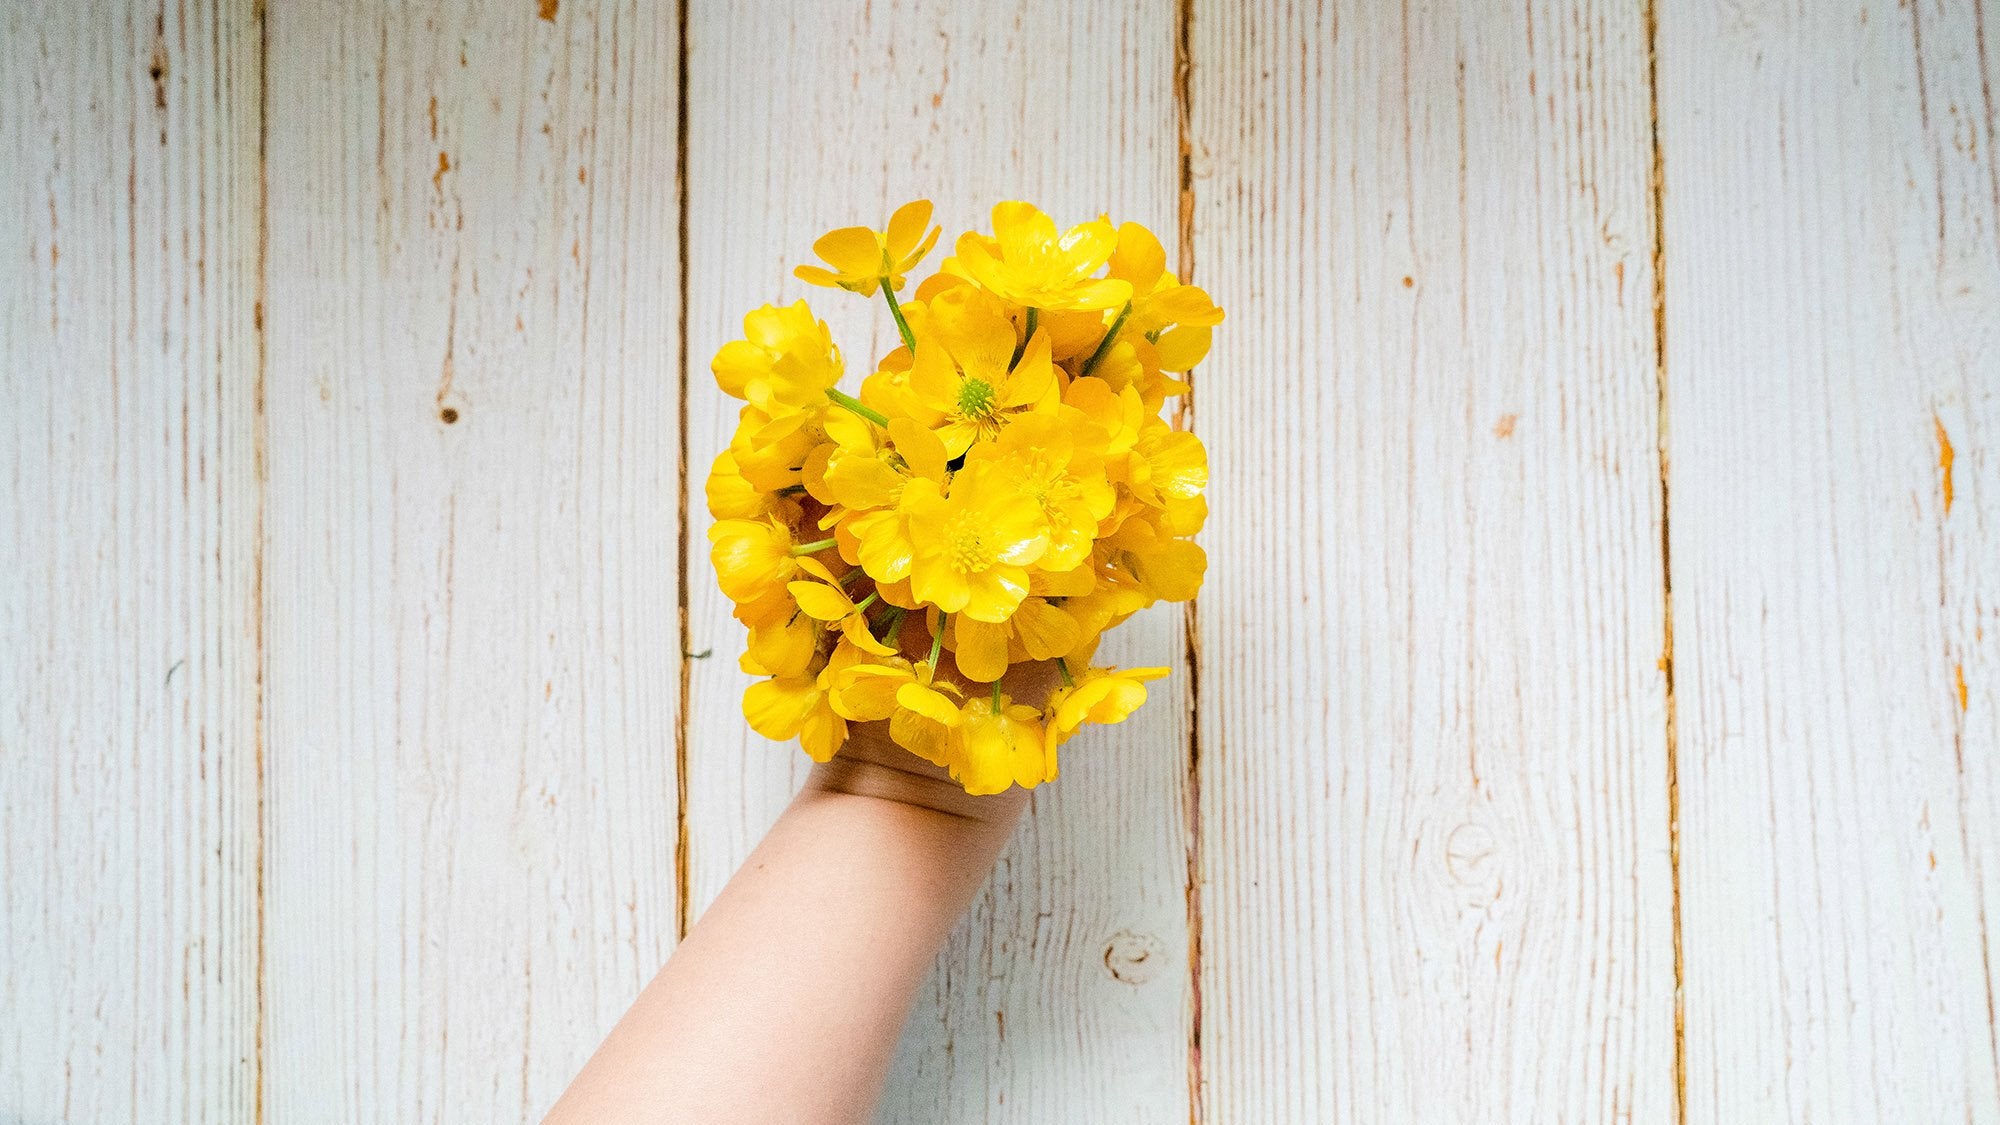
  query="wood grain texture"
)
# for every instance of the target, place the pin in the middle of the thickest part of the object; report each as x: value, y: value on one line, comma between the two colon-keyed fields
x: 1064, y: 995
x: 399, y: 572
x: 1833, y: 313
x: 1432, y: 741
x: 472, y: 525
x: 128, y: 544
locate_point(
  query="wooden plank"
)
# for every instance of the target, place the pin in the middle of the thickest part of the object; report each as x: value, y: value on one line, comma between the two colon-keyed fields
x: 472, y: 529
x: 1436, y: 878
x: 1064, y: 995
x: 128, y: 542
x: 1833, y: 315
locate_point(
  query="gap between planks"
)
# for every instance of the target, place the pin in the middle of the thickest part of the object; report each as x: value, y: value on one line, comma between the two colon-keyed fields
x: 1666, y: 552
x: 1190, y: 613
x: 682, y: 914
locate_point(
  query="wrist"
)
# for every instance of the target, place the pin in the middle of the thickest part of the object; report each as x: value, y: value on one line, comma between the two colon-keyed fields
x: 870, y: 765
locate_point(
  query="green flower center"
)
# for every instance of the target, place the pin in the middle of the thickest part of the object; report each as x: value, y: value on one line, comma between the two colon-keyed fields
x: 975, y: 398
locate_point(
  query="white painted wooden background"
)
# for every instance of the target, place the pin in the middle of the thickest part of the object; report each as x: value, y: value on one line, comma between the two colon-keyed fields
x: 1593, y: 713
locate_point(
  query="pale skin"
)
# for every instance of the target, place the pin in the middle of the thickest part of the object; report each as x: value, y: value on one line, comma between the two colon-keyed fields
x: 785, y: 1001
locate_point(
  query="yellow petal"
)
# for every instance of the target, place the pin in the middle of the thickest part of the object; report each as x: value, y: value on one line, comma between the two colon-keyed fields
x: 867, y: 692
x: 855, y: 629
x: 784, y: 649
x: 1033, y: 380
x: 778, y: 708
x: 863, y: 481
x: 1181, y: 348
x: 907, y: 226
x: 814, y: 275
x: 1105, y: 293
x: 992, y: 594
x: 1183, y: 304
x: 928, y: 739
x: 1021, y: 229
x: 883, y: 544
x: 1044, y: 630
x: 1103, y: 696
x: 1139, y: 259
x: 1179, y: 465
x: 851, y: 250
x: 928, y: 702
x: 1172, y: 572
x: 817, y: 569
x: 920, y: 448
x: 1066, y: 584
x: 982, y: 649
x: 1089, y: 245
x: 738, y: 363
x: 822, y: 734
x: 933, y: 375
x: 750, y: 557
x: 820, y: 601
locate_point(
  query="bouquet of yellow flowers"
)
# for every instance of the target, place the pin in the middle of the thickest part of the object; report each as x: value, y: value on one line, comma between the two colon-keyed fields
x: 1002, y: 490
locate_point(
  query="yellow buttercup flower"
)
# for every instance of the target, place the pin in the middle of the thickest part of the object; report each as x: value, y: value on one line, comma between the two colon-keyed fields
x: 731, y: 496
x: 863, y: 259
x: 1118, y: 412
x: 752, y: 557
x: 1177, y: 318
x: 967, y: 380
x: 923, y: 715
x: 823, y: 599
x: 972, y: 547
x: 866, y: 472
x: 1001, y: 744
x: 1027, y: 262
x: 1039, y: 628
x: 1100, y: 695
x: 1115, y: 595
x: 1057, y: 463
x: 882, y: 544
x: 785, y: 361
x: 866, y: 693
x: 796, y: 707
x: 770, y: 452
x: 782, y: 648
x: 1166, y: 465
x: 1167, y: 568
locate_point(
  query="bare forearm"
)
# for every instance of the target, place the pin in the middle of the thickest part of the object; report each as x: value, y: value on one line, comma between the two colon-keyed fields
x: 786, y: 999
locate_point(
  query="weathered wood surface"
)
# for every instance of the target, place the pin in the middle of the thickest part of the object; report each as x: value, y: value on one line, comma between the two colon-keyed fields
x: 1833, y: 344
x: 471, y: 612
x: 1064, y: 996
x: 128, y: 562
x: 1433, y: 769
x: 347, y: 770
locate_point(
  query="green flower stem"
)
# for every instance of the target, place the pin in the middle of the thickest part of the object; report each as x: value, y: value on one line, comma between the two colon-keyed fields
x: 862, y: 606
x: 1110, y: 335
x: 1063, y: 667
x: 891, y: 621
x: 1034, y: 318
x: 849, y: 402
x: 851, y: 575
x: 813, y: 547
x: 996, y: 697
x: 896, y: 311
x: 937, y: 640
